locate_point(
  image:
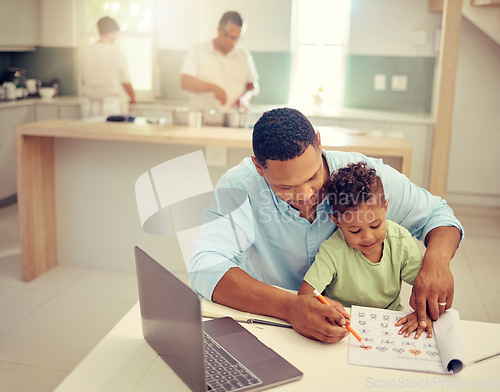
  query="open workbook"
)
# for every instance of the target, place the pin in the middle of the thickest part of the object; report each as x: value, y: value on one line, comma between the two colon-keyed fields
x: 385, y: 348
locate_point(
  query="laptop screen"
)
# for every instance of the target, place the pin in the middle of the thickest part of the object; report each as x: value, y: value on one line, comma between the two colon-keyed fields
x: 171, y: 320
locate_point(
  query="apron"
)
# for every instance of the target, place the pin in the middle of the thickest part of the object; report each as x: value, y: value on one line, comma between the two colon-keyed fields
x: 105, y: 106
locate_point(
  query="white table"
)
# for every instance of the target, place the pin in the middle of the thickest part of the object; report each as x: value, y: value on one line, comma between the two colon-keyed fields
x: 123, y: 361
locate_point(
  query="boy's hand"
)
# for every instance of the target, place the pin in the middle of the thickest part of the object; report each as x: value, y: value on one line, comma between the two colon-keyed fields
x: 411, y: 324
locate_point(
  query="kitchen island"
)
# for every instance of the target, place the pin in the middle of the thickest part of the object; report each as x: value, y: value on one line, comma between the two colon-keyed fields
x: 76, y: 180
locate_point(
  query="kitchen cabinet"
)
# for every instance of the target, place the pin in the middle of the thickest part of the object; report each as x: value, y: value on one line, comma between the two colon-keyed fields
x: 20, y: 27
x: 59, y: 22
x: 421, y: 140
x: 53, y: 111
x: 472, y: 177
x: 419, y: 134
x: 20, y: 112
x: 9, y: 118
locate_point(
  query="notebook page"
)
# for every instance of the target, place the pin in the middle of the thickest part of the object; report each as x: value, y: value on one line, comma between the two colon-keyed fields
x: 387, y: 349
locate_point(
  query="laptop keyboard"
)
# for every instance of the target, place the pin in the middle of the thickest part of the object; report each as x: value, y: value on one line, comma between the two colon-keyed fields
x: 224, y: 372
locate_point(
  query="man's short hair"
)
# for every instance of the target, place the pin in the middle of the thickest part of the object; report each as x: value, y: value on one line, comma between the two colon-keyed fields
x: 107, y: 25
x: 231, y: 17
x: 282, y: 134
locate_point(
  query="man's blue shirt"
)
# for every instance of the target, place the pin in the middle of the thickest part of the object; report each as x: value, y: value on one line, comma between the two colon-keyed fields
x: 249, y: 227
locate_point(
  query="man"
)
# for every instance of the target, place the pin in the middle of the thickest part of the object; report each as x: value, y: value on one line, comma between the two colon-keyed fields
x: 219, y: 73
x: 270, y: 215
x: 105, y: 76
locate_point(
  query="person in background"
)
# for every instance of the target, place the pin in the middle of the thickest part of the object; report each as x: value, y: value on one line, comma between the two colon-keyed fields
x: 106, y: 86
x: 269, y: 216
x: 220, y: 73
x: 364, y: 262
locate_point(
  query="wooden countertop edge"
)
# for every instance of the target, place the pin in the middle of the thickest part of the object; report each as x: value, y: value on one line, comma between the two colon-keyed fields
x: 174, y: 134
x: 130, y: 132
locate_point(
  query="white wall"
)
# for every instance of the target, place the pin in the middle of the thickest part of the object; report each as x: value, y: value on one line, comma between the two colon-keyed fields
x: 382, y: 27
x: 182, y: 23
x: 268, y: 22
x: 385, y: 27
x: 473, y: 175
x: 175, y: 23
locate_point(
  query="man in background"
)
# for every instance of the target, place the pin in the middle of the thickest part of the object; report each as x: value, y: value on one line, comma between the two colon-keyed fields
x: 106, y: 86
x: 221, y: 74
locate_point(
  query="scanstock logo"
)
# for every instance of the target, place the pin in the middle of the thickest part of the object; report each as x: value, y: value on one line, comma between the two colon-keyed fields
x: 172, y: 199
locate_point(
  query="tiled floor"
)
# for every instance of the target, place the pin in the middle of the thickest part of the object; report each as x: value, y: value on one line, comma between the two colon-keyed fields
x: 48, y: 325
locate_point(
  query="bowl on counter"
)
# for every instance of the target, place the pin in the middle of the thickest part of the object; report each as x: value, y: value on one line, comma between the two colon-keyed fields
x: 47, y: 92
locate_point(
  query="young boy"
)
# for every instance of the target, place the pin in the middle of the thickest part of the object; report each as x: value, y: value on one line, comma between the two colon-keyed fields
x: 364, y: 262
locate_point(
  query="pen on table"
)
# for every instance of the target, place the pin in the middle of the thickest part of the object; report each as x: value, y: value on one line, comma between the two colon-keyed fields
x: 349, y: 328
x: 265, y: 322
x: 481, y: 359
x: 247, y: 320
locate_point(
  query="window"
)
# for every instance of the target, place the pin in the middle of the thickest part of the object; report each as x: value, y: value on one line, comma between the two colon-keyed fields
x: 135, y: 39
x: 321, y: 34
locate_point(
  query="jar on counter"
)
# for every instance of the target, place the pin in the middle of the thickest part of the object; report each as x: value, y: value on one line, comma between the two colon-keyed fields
x: 181, y: 116
x: 195, y: 118
x: 213, y: 117
x: 10, y: 91
x: 235, y: 118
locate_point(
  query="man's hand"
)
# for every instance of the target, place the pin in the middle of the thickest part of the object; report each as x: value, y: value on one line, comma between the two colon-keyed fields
x: 130, y: 92
x: 432, y: 290
x: 307, y: 315
x: 251, y: 91
x: 220, y: 94
x: 433, y: 287
x: 311, y: 318
x: 243, y: 104
x: 195, y: 85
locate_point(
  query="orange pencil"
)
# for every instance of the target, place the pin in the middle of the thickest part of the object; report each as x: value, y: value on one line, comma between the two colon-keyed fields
x: 349, y: 328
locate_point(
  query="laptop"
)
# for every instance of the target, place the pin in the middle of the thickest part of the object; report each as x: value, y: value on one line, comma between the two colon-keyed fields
x: 214, y: 355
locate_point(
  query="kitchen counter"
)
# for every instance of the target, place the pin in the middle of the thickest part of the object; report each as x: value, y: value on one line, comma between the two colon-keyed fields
x: 371, y: 115
x: 63, y: 100
x: 417, y: 127
x: 257, y: 110
x: 102, y: 158
x: 18, y: 103
x: 317, y: 111
x: 141, y: 131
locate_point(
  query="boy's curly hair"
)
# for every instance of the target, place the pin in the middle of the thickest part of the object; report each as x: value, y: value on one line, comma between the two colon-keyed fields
x: 351, y: 186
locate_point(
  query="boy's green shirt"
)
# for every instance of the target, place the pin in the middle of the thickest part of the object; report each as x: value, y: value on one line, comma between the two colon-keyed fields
x: 345, y: 275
